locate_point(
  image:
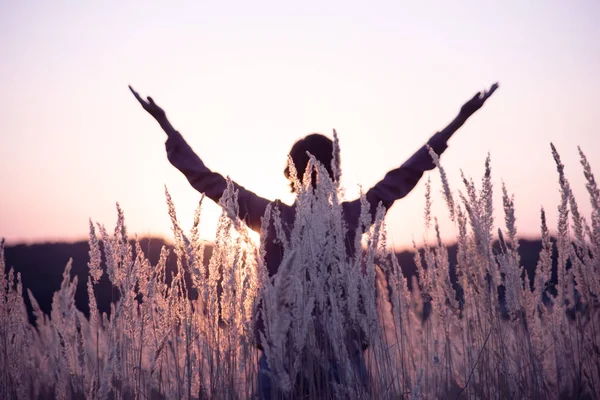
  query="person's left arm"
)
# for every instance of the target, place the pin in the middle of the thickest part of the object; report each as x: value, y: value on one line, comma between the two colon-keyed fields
x: 251, y: 207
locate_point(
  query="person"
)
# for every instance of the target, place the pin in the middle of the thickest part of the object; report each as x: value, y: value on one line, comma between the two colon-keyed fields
x: 396, y: 184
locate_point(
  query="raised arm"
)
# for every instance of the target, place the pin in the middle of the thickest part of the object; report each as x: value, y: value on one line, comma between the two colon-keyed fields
x: 399, y: 182
x: 212, y: 184
x: 466, y: 111
x: 158, y: 113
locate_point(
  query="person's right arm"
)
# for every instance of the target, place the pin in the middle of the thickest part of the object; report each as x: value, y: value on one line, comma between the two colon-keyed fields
x: 400, y: 181
x: 212, y: 184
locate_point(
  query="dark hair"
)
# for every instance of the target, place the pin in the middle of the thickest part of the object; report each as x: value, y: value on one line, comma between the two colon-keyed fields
x: 320, y: 146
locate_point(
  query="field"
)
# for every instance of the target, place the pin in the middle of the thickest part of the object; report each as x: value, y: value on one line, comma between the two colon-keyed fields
x: 336, y: 321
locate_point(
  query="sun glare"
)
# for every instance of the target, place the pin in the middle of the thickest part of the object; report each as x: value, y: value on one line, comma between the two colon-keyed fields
x: 254, y: 236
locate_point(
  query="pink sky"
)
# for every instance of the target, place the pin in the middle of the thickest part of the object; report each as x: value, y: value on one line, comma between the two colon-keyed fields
x: 242, y: 81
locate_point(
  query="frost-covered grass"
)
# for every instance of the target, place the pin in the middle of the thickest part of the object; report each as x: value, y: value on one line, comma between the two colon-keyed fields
x: 490, y: 336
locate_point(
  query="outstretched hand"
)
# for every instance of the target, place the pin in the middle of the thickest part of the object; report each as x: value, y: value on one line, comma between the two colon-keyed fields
x: 477, y: 101
x: 150, y: 106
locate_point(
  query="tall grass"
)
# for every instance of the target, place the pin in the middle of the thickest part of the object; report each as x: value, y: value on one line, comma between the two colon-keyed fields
x: 333, y: 308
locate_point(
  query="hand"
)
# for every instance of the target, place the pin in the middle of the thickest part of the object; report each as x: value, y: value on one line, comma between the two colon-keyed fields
x: 477, y: 101
x: 150, y: 106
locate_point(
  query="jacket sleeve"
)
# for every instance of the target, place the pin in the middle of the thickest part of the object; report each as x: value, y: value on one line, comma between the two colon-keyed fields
x: 212, y: 184
x: 398, y: 182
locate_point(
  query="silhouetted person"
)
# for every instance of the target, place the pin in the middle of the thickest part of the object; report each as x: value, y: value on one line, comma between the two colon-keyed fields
x: 396, y: 184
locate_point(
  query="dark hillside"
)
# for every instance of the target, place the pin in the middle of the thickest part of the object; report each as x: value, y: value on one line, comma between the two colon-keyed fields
x: 41, y: 267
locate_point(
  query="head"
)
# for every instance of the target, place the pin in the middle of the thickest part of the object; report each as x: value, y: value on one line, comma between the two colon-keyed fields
x: 320, y: 146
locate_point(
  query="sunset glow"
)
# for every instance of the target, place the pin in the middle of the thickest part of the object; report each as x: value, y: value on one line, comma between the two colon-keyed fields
x: 243, y: 81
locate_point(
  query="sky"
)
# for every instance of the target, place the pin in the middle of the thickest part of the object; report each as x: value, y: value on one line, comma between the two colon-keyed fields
x: 242, y: 81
